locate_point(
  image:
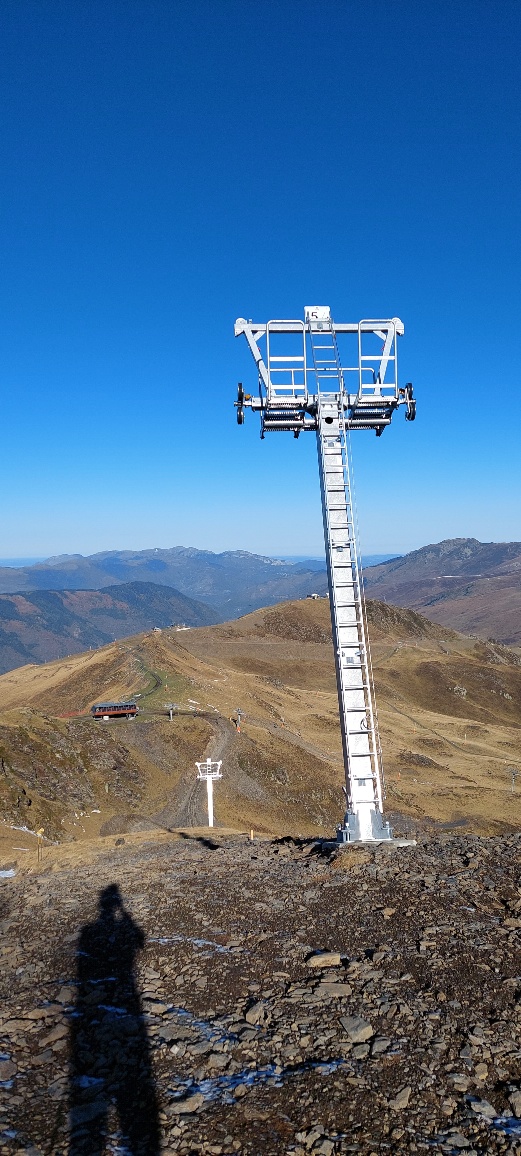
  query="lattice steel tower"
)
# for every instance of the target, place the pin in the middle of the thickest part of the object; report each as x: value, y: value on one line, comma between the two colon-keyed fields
x: 332, y: 378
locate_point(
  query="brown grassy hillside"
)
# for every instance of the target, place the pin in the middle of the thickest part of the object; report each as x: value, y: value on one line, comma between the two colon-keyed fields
x: 449, y: 711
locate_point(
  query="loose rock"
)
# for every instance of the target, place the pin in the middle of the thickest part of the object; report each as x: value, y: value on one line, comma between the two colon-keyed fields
x: 401, y: 1099
x: 186, y: 1107
x: 357, y: 1029
x: 325, y: 959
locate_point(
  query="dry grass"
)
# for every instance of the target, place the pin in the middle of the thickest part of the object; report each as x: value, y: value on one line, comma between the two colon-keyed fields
x: 449, y: 710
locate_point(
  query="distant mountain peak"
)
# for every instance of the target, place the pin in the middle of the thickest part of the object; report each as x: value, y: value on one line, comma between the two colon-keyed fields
x: 461, y: 582
x: 58, y: 559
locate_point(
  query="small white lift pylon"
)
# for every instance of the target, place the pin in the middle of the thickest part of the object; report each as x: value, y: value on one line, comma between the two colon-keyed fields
x: 308, y: 387
x: 209, y: 771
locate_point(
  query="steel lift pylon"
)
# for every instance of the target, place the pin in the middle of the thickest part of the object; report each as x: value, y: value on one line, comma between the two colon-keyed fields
x: 307, y: 387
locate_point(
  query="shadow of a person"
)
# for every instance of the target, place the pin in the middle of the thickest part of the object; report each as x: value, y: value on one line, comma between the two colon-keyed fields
x: 110, y: 1058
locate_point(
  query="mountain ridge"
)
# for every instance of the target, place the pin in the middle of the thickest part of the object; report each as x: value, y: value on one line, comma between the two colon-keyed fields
x: 493, y: 558
x: 472, y: 586
x: 232, y: 583
x: 43, y: 625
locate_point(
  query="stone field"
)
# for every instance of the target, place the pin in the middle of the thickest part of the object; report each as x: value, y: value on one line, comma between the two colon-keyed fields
x: 213, y: 995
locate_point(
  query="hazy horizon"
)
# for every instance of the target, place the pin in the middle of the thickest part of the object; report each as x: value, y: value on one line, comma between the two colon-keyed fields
x: 368, y: 557
x: 16, y: 563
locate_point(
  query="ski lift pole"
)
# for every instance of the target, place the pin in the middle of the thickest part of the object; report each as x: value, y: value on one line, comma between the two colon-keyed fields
x: 309, y: 388
x: 207, y: 772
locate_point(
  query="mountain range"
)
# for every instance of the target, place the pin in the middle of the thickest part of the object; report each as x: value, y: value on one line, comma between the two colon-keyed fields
x: 232, y: 583
x: 73, y: 603
x: 472, y: 586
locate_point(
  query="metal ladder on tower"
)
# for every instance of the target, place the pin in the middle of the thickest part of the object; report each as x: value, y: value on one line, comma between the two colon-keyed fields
x: 287, y: 401
x: 360, y: 742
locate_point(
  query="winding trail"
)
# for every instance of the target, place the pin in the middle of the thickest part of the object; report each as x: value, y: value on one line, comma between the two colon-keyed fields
x: 187, y: 805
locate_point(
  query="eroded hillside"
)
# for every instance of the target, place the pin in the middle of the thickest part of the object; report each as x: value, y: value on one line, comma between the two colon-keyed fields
x: 449, y: 711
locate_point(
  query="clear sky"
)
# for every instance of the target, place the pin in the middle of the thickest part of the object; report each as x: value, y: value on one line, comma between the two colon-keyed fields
x: 170, y: 166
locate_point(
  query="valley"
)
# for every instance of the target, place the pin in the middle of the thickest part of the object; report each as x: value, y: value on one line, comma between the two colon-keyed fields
x: 231, y: 583
x: 53, y: 609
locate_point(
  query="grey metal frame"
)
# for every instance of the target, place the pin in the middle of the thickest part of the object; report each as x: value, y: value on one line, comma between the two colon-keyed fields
x: 332, y: 409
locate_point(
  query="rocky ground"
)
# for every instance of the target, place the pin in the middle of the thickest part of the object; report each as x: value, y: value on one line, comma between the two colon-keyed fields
x: 268, y: 997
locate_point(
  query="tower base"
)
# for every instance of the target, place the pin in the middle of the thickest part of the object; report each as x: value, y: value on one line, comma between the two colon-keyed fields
x: 352, y: 830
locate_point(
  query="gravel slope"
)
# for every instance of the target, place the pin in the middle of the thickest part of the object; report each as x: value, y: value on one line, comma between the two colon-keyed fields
x: 175, y: 977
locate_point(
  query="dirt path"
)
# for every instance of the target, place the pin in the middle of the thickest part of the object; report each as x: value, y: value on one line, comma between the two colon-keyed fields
x: 458, y: 746
x: 187, y: 805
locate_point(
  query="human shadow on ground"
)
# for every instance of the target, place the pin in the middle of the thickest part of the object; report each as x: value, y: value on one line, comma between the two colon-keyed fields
x: 110, y: 1056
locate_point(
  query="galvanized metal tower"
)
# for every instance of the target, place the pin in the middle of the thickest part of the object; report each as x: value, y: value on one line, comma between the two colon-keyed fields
x: 208, y: 772
x: 304, y: 385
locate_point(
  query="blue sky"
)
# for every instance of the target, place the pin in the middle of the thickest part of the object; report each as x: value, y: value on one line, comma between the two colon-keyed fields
x: 168, y: 167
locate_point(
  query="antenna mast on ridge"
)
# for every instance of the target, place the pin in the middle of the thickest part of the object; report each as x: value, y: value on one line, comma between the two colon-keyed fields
x: 306, y: 387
